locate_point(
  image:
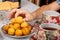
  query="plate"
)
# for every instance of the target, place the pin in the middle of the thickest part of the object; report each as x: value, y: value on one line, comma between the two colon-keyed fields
x: 33, y: 31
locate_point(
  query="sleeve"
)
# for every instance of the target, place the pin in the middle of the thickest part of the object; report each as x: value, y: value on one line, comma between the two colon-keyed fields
x: 28, y: 6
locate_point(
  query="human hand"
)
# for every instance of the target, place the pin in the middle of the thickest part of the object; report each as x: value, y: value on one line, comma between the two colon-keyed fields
x: 19, y: 12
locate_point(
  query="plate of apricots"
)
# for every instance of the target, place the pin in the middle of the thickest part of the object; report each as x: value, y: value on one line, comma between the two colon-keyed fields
x: 18, y: 28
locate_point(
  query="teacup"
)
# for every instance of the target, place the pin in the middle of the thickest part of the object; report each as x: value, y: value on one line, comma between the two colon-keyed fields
x: 51, y: 17
x: 51, y: 31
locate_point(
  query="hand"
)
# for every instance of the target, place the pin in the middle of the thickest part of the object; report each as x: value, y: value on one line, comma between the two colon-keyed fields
x: 18, y: 12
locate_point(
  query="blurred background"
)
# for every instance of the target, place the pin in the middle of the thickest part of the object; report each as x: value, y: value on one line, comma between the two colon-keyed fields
x: 37, y: 2
x: 41, y: 2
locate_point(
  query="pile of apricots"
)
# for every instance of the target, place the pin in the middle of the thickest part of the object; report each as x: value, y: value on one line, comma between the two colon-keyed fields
x: 17, y: 27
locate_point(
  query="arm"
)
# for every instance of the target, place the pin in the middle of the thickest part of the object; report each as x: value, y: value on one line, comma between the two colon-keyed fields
x: 53, y: 6
x: 37, y: 14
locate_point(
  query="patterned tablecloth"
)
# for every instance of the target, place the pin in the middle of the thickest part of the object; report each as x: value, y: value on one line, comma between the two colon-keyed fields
x: 39, y: 36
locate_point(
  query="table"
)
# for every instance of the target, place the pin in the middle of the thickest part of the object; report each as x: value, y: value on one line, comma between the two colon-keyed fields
x: 24, y: 5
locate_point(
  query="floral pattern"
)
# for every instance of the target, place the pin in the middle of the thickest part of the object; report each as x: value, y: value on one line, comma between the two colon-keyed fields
x: 51, y: 19
x: 40, y: 35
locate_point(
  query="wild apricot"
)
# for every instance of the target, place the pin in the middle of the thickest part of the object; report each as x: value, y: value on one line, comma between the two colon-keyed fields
x: 13, y: 20
x: 18, y: 32
x: 24, y: 24
x: 16, y: 26
x: 6, y: 27
x: 25, y: 31
x: 19, y: 19
x: 11, y: 31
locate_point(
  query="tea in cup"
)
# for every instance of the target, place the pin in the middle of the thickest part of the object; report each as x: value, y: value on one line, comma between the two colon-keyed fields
x: 51, y: 31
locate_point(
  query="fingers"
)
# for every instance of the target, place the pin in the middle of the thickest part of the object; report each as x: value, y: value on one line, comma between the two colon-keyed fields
x: 22, y: 13
x: 11, y: 14
x: 18, y: 13
x: 26, y: 19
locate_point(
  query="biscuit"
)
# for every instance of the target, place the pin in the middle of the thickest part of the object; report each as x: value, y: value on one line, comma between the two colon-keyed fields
x: 8, y: 5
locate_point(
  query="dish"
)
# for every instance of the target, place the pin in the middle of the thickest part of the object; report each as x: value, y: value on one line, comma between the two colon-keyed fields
x: 14, y: 31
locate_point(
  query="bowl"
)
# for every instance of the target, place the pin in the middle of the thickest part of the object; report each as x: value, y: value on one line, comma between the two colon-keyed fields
x: 33, y: 31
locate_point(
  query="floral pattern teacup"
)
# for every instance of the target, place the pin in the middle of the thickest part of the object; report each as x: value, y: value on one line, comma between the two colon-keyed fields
x: 51, y: 17
x: 51, y: 31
